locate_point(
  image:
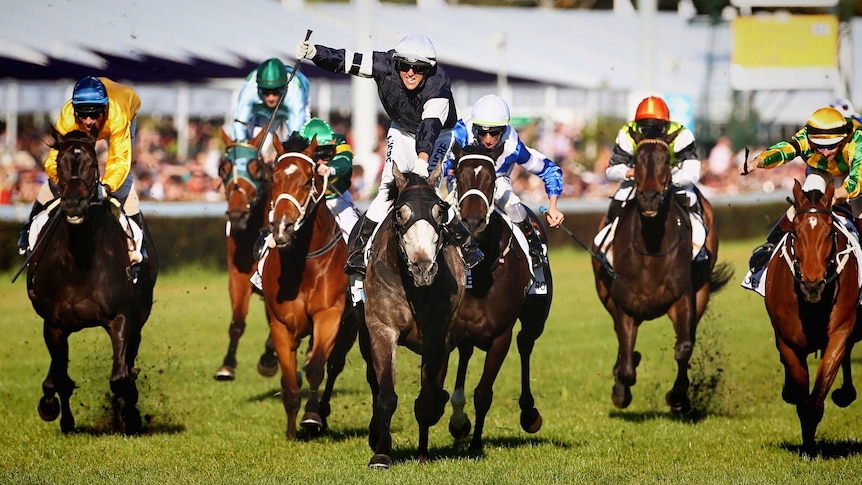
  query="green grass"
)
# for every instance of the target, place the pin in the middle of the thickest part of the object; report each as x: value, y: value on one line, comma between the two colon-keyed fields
x: 199, y: 430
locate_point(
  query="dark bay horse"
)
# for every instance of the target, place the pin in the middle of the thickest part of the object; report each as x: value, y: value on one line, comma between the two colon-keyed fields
x: 413, y: 286
x: 246, y: 181
x: 652, y: 251
x: 812, y: 296
x: 79, y: 276
x: 496, y: 297
x: 304, y: 284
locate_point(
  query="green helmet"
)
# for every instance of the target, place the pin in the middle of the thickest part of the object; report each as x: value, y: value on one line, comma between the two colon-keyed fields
x: 271, y: 74
x: 317, y: 126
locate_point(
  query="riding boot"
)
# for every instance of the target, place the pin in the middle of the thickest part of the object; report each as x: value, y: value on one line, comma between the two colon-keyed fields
x: 458, y: 234
x: 139, y: 220
x: 761, y: 254
x: 260, y: 245
x: 355, y: 257
x: 614, y: 211
x: 537, y: 252
x: 24, y: 237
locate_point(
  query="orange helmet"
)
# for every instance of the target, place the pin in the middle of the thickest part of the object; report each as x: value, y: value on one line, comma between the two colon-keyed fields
x: 653, y: 108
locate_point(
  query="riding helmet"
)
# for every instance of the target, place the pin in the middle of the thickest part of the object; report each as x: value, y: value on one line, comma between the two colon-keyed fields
x: 89, y: 96
x: 316, y: 126
x: 271, y: 74
x: 416, y: 49
x: 489, y: 111
x: 827, y: 126
x: 653, y: 108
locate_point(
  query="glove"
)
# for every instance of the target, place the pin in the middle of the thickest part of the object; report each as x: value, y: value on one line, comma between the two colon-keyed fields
x: 305, y: 50
x: 420, y: 167
x: 104, y: 191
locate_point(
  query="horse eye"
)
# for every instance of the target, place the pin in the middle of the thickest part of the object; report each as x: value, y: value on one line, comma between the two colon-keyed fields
x: 403, y: 214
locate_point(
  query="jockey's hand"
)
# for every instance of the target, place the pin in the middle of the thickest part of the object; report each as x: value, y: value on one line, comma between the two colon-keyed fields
x: 104, y: 191
x: 555, y: 217
x: 421, y: 167
x: 749, y: 166
x: 839, y: 196
x: 325, y: 170
x: 305, y: 50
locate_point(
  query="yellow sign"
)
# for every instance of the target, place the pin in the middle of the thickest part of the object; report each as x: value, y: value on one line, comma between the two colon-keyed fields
x: 785, y: 41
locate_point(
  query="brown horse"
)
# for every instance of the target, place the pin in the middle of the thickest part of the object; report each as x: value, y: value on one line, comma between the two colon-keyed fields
x: 413, y: 286
x: 80, y: 276
x: 495, y: 299
x: 812, y: 296
x: 304, y: 284
x: 653, y: 254
x: 246, y: 181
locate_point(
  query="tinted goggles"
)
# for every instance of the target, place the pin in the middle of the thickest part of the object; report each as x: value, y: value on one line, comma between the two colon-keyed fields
x: 494, y: 131
x: 87, y: 112
x: 266, y: 92
x: 405, y: 66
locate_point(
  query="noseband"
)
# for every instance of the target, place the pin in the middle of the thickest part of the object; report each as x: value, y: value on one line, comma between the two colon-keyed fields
x: 837, y: 259
x: 312, y: 200
x: 239, y: 155
x: 401, y: 228
x: 474, y: 191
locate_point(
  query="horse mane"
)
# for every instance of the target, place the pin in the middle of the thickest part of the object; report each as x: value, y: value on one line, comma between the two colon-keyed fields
x: 296, y: 143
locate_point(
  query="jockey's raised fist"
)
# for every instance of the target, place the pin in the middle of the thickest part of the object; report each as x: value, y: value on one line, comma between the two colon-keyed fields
x: 305, y: 50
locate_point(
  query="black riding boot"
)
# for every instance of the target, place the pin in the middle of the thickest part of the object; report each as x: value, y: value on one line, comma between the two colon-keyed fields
x: 139, y: 220
x: 355, y: 257
x: 761, y: 254
x: 459, y: 235
x: 537, y: 253
x: 24, y: 237
x: 614, y: 211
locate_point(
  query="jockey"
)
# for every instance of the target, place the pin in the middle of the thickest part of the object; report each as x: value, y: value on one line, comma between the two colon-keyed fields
x: 416, y: 94
x: 652, y: 119
x: 260, y: 95
x: 831, y: 146
x: 489, y: 125
x: 845, y: 107
x: 334, y: 158
x: 112, y: 108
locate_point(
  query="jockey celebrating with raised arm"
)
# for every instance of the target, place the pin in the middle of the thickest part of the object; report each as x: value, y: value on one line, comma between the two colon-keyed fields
x: 831, y: 146
x: 110, y: 107
x: 416, y: 94
x: 260, y: 95
x: 489, y: 125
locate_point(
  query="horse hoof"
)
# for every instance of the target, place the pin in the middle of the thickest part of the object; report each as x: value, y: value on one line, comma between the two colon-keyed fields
x: 621, y: 396
x: 49, y: 409
x: 531, y: 421
x: 267, y: 368
x: 312, y: 423
x: 380, y: 461
x: 225, y: 373
x: 459, y: 432
x: 67, y: 424
x: 131, y: 423
x: 842, y: 397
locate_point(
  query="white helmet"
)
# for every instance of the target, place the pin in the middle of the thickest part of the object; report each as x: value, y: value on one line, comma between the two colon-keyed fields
x: 845, y: 107
x: 416, y: 48
x: 489, y: 111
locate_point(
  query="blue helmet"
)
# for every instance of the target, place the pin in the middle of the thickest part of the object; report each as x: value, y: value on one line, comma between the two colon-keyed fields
x: 89, y: 95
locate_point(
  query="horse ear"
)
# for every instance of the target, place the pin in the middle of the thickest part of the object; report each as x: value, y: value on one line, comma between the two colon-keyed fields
x: 279, y: 147
x: 400, y: 179
x: 58, y: 138
x: 797, y: 191
x: 225, y: 138
x: 636, y: 136
x: 827, y: 197
x: 435, y: 174
x: 258, y: 139
x: 94, y: 133
x: 670, y: 137
x: 311, y: 147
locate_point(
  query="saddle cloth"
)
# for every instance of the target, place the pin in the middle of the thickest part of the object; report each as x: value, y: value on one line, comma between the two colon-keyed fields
x: 757, y: 281
x: 605, y: 238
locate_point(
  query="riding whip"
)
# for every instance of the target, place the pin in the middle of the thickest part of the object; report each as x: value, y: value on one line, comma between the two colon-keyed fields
x: 600, y: 258
x: 283, y: 94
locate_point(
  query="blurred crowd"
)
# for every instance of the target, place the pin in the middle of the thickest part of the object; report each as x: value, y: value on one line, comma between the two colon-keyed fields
x: 161, y: 176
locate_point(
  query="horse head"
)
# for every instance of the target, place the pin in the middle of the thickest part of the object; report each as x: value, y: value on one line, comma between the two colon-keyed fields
x: 652, y: 171
x: 77, y: 172
x: 475, y: 176
x: 813, y: 241
x: 245, y: 178
x: 296, y: 188
x: 419, y: 217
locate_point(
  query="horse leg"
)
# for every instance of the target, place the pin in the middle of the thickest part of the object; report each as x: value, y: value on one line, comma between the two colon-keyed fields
x: 811, y: 411
x: 267, y: 365
x: 459, y: 422
x: 325, y: 332
x: 483, y: 395
x: 532, y: 327
x: 431, y: 402
x: 682, y: 316
x: 286, y: 346
x: 240, y: 294
x: 337, y: 359
x: 383, y: 344
x: 57, y: 381
x: 125, y: 339
x: 846, y: 394
x: 625, y: 374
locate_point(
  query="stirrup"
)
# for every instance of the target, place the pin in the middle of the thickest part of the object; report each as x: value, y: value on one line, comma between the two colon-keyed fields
x: 760, y: 256
x: 471, y: 257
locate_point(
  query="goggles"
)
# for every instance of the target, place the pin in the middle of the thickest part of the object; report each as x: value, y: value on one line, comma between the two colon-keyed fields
x: 495, y: 131
x: 819, y: 147
x: 89, y: 111
x: 418, y: 68
x: 266, y: 92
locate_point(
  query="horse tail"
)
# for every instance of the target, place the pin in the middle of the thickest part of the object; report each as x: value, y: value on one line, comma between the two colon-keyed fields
x: 722, y: 273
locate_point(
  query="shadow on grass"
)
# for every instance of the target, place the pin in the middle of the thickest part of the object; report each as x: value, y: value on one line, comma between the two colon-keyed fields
x: 275, y: 393
x: 827, y: 449
x: 460, y: 450
x: 694, y: 416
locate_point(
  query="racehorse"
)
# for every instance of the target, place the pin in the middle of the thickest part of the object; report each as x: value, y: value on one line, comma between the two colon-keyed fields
x: 304, y: 284
x: 246, y: 181
x: 812, y: 296
x: 653, y: 254
x: 413, y: 288
x: 496, y: 297
x: 80, y: 276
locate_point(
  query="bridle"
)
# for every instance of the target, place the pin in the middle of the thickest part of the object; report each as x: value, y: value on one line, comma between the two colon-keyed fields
x: 837, y: 259
x: 401, y: 228
x: 305, y: 207
x: 239, y: 155
x: 474, y: 191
